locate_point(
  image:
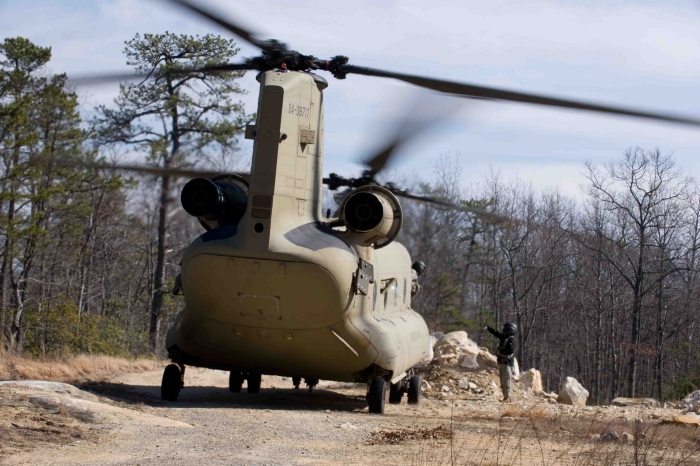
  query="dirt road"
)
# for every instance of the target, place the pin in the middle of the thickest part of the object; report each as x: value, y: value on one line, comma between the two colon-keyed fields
x: 281, y: 425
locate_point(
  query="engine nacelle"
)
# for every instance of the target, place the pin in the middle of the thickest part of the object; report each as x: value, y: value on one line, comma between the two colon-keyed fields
x: 372, y: 216
x: 220, y: 201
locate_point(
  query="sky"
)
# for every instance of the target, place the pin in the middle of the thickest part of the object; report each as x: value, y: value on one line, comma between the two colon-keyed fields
x: 639, y: 54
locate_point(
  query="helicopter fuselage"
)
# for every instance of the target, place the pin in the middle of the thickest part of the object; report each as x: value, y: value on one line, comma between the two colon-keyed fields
x: 281, y: 292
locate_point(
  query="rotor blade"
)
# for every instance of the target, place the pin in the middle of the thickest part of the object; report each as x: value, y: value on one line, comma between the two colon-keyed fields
x: 449, y: 205
x: 226, y: 24
x: 122, y: 77
x: 419, y: 116
x: 173, y: 172
x: 472, y: 90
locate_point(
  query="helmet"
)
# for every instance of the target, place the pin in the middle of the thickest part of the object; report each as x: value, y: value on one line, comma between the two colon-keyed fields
x: 509, y: 328
x: 419, y: 267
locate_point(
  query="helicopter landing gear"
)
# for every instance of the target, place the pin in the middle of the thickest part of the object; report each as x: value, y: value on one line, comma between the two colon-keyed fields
x: 172, y: 382
x: 296, y: 381
x: 311, y: 383
x: 376, y: 395
x: 254, y: 381
x: 396, y: 391
x: 414, y: 390
x: 235, y: 382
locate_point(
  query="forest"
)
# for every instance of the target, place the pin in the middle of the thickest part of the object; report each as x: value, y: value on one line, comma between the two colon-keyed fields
x: 601, y: 287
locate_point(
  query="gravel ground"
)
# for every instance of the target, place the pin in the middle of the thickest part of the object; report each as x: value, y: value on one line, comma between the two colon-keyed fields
x: 281, y: 425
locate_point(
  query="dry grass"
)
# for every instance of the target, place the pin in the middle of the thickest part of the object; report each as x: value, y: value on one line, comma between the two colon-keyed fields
x: 535, y: 437
x: 74, y: 370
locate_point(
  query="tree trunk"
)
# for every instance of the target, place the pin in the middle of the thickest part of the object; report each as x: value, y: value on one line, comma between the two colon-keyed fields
x: 157, y: 303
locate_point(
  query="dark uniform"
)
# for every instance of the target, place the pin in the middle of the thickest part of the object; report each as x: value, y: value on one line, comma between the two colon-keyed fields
x: 505, y: 355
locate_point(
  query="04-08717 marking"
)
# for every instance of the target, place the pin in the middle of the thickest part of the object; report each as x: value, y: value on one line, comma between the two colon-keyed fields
x: 298, y: 110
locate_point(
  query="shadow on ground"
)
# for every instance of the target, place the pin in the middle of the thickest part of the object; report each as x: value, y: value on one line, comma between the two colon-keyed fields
x: 217, y: 397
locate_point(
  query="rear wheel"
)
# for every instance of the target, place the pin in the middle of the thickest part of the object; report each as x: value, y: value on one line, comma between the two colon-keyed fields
x: 235, y: 382
x: 172, y: 383
x: 254, y: 381
x: 414, y: 390
x: 376, y: 395
x: 396, y: 393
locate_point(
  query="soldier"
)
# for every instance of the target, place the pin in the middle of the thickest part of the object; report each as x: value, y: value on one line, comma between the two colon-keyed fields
x: 416, y: 269
x: 506, y: 355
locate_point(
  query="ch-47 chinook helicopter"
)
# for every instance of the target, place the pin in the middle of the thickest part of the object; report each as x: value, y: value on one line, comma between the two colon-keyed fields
x: 273, y: 287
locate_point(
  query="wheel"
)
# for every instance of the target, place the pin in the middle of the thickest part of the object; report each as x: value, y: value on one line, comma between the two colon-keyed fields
x: 414, y: 390
x: 172, y: 383
x: 377, y: 395
x: 396, y: 393
x: 254, y: 381
x: 235, y: 382
x: 311, y: 383
x: 296, y: 381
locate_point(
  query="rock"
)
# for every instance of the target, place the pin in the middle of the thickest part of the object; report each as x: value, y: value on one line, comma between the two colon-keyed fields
x: 445, y: 388
x: 468, y: 360
x: 348, y: 426
x: 594, y: 437
x: 629, y: 402
x: 453, y: 345
x: 687, y: 419
x: 531, y: 379
x: 472, y: 386
x: 611, y: 436
x: 691, y: 401
x: 463, y: 383
x: 486, y: 360
x: 572, y: 393
x: 425, y: 386
x: 670, y: 405
x: 627, y: 438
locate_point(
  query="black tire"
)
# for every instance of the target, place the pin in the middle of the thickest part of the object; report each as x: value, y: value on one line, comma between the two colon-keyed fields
x: 414, y: 390
x: 376, y: 397
x: 235, y: 382
x: 395, y: 393
x: 254, y: 381
x: 172, y: 383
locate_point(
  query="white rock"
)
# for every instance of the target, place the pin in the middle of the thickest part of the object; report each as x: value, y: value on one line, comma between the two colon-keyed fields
x: 572, y: 393
x: 424, y: 385
x: 445, y: 388
x: 486, y: 360
x: 473, y: 386
x: 643, y: 402
x: 348, y: 426
x: 627, y: 438
x: 531, y: 379
x: 463, y: 383
x: 454, y: 344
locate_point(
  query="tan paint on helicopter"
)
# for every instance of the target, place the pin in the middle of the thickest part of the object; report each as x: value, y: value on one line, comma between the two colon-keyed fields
x: 283, y: 301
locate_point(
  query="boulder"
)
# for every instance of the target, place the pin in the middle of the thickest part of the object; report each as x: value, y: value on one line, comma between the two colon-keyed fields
x: 572, y: 393
x: 454, y: 344
x: 531, y: 379
x: 691, y: 401
x: 486, y: 360
x: 638, y: 402
x: 463, y: 383
x: 468, y: 359
x: 627, y: 438
x: 687, y: 419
